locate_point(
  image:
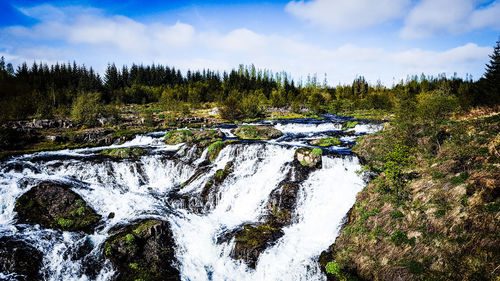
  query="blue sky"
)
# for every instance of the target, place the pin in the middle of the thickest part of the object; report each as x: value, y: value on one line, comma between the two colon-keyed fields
x: 383, y: 40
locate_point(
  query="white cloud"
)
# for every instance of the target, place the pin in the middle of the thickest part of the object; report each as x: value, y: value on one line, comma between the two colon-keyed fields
x: 430, y: 17
x: 345, y: 15
x: 96, y: 39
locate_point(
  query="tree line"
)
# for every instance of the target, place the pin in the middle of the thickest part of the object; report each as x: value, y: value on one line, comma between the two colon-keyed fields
x: 42, y: 91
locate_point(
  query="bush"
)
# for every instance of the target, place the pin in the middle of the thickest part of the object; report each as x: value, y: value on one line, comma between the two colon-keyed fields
x: 87, y: 108
x: 231, y: 109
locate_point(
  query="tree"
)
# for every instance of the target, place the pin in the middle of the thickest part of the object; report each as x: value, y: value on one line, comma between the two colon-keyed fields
x: 492, y: 76
x: 87, y: 108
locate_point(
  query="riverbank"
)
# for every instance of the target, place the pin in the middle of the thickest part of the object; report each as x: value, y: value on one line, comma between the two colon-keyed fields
x: 29, y: 136
x: 443, y: 224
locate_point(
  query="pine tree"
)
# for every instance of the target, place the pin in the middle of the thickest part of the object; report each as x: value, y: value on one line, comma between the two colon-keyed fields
x: 492, y: 75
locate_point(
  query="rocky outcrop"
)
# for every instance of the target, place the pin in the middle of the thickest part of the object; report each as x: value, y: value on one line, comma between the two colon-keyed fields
x: 53, y: 205
x: 252, y: 239
x: 20, y: 261
x: 123, y: 153
x: 248, y: 132
x: 191, y: 136
x: 143, y: 251
x: 206, y: 199
x: 98, y: 136
x: 309, y: 157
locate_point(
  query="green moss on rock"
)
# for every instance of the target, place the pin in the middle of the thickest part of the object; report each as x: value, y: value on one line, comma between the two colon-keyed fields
x: 56, y: 206
x: 249, y: 132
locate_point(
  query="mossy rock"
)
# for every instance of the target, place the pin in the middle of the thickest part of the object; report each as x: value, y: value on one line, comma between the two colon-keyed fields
x: 349, y: 125
x: 310, y: 157
x: 248, y: 132
x: 123, y: 153
x: 56, y: 206
x: 191, y: 136
x: 214, y: 149
x: 143, y: 251
x: 325, y: 142
x: 252, y: 240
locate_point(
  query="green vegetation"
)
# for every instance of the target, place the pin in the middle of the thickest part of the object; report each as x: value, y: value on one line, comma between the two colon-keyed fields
x: 214, y: 149
x: 249, y: 132
x: 326, y: 142
x: 349, y: 125
x: 317, y: 151
x: 126, y: 152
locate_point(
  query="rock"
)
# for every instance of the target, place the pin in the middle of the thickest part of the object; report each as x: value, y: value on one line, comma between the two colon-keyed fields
x: 248, y: 132
x: 123, y: 153
x: 57, y: 138
x: 252, y: 240
x: 111, y: 215
x: 325, y: 142
x: 191, y: 136
x: 97, y: 136
x: 309, y: 157
x: 56, y: 206
x: 19, y: 259
x: 143, y: 251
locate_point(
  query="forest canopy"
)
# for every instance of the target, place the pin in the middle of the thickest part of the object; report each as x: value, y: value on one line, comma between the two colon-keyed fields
x: 43, y: 91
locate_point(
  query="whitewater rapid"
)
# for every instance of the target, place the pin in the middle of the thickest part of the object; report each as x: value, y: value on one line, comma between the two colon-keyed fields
x: 140, y: 188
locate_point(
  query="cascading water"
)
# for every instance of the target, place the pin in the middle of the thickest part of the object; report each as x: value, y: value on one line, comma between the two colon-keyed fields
x: 140, y: 188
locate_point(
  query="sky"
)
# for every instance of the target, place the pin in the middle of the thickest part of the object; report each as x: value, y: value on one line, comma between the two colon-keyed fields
x: 383, y: 40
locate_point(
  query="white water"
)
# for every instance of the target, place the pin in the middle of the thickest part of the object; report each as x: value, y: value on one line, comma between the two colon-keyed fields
x: 137, y: 189
x: 299, y: 128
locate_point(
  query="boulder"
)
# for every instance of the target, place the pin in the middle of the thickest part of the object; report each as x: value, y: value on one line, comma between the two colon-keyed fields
x: 191, y: 136
x: 251, y: 240
x: 143, y: 251
x: 309, y: 157
x: 53, y: 205
x: 248, y: 132
x: 99, y: 136
x: 124, y: 152
x: 20, y: 260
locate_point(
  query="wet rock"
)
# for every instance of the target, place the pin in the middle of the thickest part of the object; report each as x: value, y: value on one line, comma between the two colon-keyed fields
x: 19, y: 260
x: 325, y: 142
x: 98, y: 136
x: 309, y: 157
x: 252, y: 240
x: 248, y: 132
x: 53, y: 205
x: 123, y: 153
x: 191, y: 136
x: 143, y: 251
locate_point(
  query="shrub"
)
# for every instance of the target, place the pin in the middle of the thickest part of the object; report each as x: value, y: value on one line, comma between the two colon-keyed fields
x: 332, y: 268
x: 396, y: 214
x: 87, y: 108
x: 460, y: 179
x: 396, y: 161
x: 231, y: 109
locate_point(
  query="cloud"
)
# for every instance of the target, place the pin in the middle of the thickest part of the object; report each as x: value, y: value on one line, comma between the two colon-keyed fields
x: 430, y: 17
x: 96, y: 39
x: 347, y: 15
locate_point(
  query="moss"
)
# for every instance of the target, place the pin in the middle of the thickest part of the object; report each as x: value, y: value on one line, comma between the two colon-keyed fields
x: 254, y: 236
x: 65, y: 223
x: 178, y: 136
x: 414, y: 267
x: 249, y: 132
x: 349, y: 125
x: 396, y: 214
x: 317, y: 151
x: 133, y: 266
x: 326, y: 142
x: 460, y: 179
x: 129, y: 238
x: 214, y: 149
x: 399, y: 237
x: 125, y: 152
x: 492, y: 207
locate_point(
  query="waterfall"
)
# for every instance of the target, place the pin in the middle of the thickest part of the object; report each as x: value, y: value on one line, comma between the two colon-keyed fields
x: 139, y: 188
